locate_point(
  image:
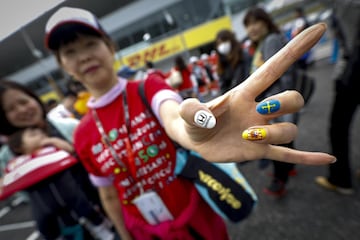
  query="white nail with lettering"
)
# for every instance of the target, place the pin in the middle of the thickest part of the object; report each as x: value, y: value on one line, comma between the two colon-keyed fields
x: 204, y: 119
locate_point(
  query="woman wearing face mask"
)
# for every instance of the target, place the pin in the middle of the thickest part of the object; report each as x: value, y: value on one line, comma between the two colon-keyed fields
x: 266, y: 39
x: 231, y: 66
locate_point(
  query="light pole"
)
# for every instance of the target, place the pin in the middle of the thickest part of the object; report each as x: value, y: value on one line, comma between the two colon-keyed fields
x: 39, y: 57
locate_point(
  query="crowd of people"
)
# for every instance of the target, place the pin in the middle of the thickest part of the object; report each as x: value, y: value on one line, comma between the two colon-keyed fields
x: 127, y: 156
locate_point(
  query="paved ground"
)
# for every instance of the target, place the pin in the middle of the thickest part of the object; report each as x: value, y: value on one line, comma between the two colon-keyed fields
x: 307, y: 212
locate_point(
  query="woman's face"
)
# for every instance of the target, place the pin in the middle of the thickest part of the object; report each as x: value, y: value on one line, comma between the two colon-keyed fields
x: 256, y: 30
x: 21, y: 109
x: 90, y: 61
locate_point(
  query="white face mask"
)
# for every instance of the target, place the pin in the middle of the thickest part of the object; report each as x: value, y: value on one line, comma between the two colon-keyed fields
x: 224, y: 48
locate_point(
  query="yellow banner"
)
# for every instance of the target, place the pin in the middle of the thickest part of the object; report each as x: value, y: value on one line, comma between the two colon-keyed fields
x: 206, y: 33
x: 49, y: 95
x: 195, y: 37
x: 155, y: 52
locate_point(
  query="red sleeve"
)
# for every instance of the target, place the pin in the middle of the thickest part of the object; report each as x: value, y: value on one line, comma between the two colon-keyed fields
x: 154, y: 83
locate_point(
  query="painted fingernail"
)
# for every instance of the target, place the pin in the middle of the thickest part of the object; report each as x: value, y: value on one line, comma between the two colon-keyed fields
x: 268, y: 107
x: 204, y: 119
x: 254, y: 134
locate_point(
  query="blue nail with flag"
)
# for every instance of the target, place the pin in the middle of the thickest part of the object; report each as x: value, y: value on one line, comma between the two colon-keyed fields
x: 268, y: 107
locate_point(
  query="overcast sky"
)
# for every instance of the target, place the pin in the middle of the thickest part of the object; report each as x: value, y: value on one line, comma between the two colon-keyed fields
x: 16, y: 13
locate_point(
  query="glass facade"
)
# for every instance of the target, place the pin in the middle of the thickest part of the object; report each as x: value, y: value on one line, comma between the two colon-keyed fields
x: 180, y: 16
x: 165, y: 22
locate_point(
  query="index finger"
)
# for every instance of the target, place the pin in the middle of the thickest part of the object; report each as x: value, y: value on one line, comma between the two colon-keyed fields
x: 274, y: 67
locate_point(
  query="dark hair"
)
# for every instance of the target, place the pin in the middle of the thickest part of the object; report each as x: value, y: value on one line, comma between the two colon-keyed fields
x: 236, y: 54
x: 51, y: 102
x: 74, y: 86
x: 259, y: 14
x: 6, y: 128
x: 70, y: 32
x: 226, y: 35
x: 180, y: 63
x: 15, y: 142
x: 300, y: 11
x: 70, y: 94
x: 149, y: 64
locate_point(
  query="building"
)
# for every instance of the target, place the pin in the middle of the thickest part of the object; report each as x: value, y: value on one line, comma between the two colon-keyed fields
x: 153, y: 30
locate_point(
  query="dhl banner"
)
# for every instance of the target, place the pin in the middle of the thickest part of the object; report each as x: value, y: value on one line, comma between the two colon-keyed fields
x: 205, y: 33
x: 192, y: 38
x: 155, y: 52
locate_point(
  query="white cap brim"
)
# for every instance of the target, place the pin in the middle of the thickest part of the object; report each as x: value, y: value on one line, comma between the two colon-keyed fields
x: 67, y: 15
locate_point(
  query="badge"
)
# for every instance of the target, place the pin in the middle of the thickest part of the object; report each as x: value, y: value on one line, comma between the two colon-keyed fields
x: 152, y: 208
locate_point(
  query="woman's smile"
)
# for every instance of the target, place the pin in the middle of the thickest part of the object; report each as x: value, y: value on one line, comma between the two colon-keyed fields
x: 91, y: 69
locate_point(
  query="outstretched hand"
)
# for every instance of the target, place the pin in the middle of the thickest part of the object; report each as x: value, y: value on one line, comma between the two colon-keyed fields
x: 242, y: 130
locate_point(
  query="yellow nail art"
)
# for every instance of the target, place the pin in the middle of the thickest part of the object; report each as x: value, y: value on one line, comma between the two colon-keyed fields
x: 254, y: 134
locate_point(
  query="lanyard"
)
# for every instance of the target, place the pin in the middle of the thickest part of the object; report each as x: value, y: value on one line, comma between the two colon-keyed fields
x: 128, y: 145
x: 127, y: 141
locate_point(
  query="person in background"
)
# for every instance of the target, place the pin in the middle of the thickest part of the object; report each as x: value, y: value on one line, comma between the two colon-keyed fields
x: 82, y: 98
x: 65, y: 108
x: 267, y: 40
x: 213, y: 58
x: 346, y: 101
x: 30, y: 140
x: 199, y: 75
x: 231, y: 65
x: 120, y: 143
x: 181, y: 74
x: 20, y: 197
x: 299, y: 25
x: 211, y: 74
x: 150, y: 69
x: 21, y: 108
x: 127, y: 72
x: 50, y: 104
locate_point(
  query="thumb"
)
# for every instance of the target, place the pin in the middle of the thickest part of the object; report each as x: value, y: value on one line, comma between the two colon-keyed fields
x: 197, y: 114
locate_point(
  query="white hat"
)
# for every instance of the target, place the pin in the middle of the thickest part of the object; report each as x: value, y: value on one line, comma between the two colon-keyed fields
x: 193, y: 59
x: 67, y: 15
x: 204, y: 56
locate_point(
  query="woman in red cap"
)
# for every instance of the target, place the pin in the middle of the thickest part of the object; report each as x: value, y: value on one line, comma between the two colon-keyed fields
x: 130, y: 154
